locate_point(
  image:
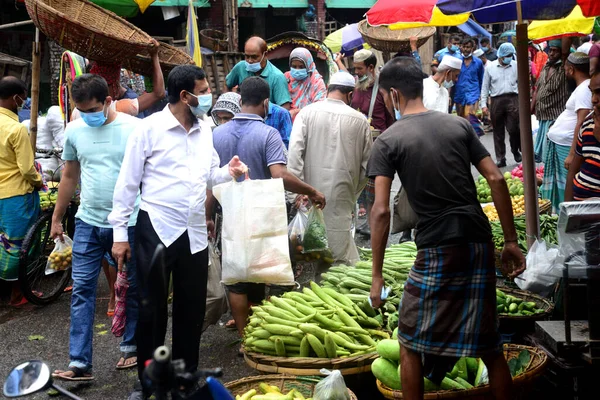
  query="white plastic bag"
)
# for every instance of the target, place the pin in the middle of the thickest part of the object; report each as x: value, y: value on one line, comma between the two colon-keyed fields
x: 331, y: 388
x: 538, y: 276
x: 216, y: 300
x: 61, y: 256
x: 254, y: 237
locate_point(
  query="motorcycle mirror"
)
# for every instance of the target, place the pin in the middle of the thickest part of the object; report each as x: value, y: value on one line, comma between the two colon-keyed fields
x: 27, y: 378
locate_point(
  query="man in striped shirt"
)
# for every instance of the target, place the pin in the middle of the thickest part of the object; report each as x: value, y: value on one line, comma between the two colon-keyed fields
x: 584, y: 171
x: 550, y: 96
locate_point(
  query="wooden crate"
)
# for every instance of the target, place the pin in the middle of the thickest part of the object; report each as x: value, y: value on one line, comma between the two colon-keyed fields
x: 217, y: 65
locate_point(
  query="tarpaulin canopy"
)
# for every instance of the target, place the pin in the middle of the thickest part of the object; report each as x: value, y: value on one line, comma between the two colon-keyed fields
x: 472, y: 28
x: 575, y: 24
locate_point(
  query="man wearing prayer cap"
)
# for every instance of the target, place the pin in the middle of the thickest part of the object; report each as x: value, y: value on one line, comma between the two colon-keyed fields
x: 435, y: 87
x: 550, y: 96
x: 369, y: 102
x: 329, y: 149
x: 562, y: 136
x: 500, y: 83
x: 226, y: 107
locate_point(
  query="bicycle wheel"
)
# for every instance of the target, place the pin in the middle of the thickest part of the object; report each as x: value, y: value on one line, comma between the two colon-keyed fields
x: 37, y: 287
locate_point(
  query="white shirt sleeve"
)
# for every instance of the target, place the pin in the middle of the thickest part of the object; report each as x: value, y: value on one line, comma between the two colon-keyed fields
x: 128, y: 183
x: 297, y: 148
x: 583, y: 99
x: 485, y: 90
x: 217, y: 175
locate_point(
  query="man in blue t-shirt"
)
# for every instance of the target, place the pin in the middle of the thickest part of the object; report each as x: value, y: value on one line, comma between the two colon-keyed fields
x: 94, y: 150
x: 261, y: 148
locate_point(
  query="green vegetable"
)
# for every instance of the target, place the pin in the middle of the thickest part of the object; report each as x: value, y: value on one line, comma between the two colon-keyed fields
x: 449, y: 384
x: 481, y: 376
x: 387, y: 372
x: 304, y: 347
x: 330, y: 346
x: 395, y: 334
x: 279, y: 347
x: 472, y: 365
x: 315, y: 235
x: 389, y: 349
x: 462, y: 368
x: 316, y: 345
x: 463, y: 383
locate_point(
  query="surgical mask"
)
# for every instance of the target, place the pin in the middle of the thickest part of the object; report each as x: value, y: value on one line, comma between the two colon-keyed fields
x: 254, y: 67
x: 363, y: 78
x: 485, y: 49
x: 454, y: 48
x: 19, y: 107
x: 448, y: 84
x: 507, y: 60
x: 299, y: 74
x: 397, y: 114
x: 94, y: 119
x: 204, y: 104
x: 468, y: 55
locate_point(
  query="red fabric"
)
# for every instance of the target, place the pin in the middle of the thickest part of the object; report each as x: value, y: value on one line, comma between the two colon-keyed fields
x: 590, y: 8
x: 385, y: 11
x: 111, y: 73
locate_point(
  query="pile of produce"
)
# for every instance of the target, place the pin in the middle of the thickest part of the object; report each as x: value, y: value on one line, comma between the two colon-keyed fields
x: 315, y: 323
x: 484, y: 192
x: 517, y: 172
x: 518, y: 207
x: 467, y: 372
x: 301, y: 233
x: 514, y: 306
x: 48, y: 199
x: 548, y: 231
x: 270, y: 393
x: 60, y: 260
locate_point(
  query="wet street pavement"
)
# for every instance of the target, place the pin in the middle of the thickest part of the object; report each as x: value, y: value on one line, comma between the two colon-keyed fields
x: 43, y: 333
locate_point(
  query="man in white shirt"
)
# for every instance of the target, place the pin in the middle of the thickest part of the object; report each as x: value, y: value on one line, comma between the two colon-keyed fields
x: 435, y: 87
x: 562, y: 136
x: 171, y: 155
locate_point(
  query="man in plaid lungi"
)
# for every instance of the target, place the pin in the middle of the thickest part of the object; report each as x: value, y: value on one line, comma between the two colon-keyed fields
x: 448, y: 308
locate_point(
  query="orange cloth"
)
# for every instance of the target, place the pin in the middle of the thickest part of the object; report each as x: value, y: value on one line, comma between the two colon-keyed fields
x: 541, y: 58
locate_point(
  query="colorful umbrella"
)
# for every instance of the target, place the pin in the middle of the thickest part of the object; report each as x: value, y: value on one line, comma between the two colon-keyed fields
x: 345, y: 40
x: 575, y: 24
x: 192, y: 38
x: 121, y: 286
x: 124, y: 8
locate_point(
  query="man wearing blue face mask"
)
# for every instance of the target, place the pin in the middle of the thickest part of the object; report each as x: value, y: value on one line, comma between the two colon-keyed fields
x: 93, y: 150
x: 453, y: 49
x: 256, y: 63
x: 489, y: 52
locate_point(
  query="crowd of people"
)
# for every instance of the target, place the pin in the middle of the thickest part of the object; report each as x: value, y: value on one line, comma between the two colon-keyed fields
x: 146, y: 182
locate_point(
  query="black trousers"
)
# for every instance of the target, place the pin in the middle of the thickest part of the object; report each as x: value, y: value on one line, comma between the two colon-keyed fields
x: 505, y: 116
x: 190, y: 275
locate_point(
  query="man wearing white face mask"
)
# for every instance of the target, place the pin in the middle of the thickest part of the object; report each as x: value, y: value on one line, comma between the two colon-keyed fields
x: 171, y: 155
x: 435, y: 87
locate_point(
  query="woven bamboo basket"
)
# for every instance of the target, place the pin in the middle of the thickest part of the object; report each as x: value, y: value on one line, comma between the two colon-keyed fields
x: 285, y: 383
x: 214, y: 40
x: 305, y: 366
x: 539, y: 301
x: 384, y: 39
x: 522, y: 382
x: 87, y: 29
x: 169, y: 57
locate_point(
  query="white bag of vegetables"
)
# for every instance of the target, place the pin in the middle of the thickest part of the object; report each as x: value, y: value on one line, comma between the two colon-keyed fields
x: 61, y: 256
x: 254, y: 236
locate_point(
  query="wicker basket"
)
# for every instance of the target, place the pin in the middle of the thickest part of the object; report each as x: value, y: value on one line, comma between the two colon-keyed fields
x: 214, y: 40
x: 88, y: 30
x: 384, y: 39
x: 285, y: 383
x: 539, y: 301
x: 522, y: 383
x: 309, y: 366
x: 169, y: 57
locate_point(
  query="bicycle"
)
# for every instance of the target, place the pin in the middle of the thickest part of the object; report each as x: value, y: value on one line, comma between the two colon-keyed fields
x: 37, y: 287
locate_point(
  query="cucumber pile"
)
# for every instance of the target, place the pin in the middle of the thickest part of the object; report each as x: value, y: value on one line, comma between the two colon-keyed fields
x: 319, y: 322
x: 467, y: 373
x: 511, y: 305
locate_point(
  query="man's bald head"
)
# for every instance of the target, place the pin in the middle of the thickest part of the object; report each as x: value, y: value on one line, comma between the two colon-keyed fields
x: 255, y: 51
x: 11, y: 86
x: 256, y: 43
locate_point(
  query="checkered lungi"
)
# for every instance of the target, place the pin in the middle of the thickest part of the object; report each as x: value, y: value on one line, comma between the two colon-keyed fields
x: 449, y: 302
x: 368, y: 194
x: 555, y: 174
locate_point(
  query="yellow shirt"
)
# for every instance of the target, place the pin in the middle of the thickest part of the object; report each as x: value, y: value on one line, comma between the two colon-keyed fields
x: 17, y: 172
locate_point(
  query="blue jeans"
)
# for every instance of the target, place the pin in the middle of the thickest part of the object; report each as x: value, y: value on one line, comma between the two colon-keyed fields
x: 89, y: 246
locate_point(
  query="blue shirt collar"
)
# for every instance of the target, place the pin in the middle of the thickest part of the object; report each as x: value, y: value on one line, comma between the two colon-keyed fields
x: 248, y: 117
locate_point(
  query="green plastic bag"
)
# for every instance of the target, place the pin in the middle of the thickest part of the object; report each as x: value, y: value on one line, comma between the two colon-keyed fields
x: 315, y: 236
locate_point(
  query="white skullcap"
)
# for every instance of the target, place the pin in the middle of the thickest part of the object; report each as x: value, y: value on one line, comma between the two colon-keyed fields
x: 342, y: 78
x: 478, y: 53
x: 449, y: 62
x: 362, y: 55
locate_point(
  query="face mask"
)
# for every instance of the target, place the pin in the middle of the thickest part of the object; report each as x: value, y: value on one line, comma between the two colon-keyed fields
x: 94, y: 119
x: 454, y: 48
x: 468, y: 55
x: 507, y: 60
x: 266, y: 107
x: 19, y: 107
x: 299, y: 74
x: 363, y: 78
x: 204, y: 104
x: 448, y: 84
x: 397, y: 114
x: 485, y: 49
x: 254, y: 67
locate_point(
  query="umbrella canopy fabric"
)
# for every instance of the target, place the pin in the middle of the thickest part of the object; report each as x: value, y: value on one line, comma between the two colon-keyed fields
x: 192, y: 38
x: 472, y: 28
x: 388, y: 12
x: 345, y: 40
x: 575, y: 24
x: 124, y: 8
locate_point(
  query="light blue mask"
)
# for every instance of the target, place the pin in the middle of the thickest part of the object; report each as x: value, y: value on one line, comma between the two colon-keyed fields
x: 485, y: 49
x: 204, y: 104
x: 507, y: 60
x: 299, y: 74
x: 254, y: 67
x: 454, y: 48
x: 397, y: 114
x: 94, y: 119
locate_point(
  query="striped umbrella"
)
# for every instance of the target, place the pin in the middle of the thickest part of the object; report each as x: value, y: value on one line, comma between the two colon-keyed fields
x: 345, y: 40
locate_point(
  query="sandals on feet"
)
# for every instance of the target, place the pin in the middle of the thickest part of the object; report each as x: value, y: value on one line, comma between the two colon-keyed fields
x: 78, y: 374
x: 124, y: 357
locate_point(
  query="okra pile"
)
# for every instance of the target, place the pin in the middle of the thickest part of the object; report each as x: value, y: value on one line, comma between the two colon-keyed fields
x: 319, y: 322
x: 511, y: 305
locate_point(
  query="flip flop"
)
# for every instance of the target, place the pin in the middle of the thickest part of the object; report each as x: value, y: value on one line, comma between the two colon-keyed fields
x: 230, y: 324
x: 362, y: 212
x: 125, y: 357
x: 78, y: 375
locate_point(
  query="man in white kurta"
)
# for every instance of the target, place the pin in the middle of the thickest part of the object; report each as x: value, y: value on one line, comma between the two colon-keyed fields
x: 435, y: 87
x: 329, y: 149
